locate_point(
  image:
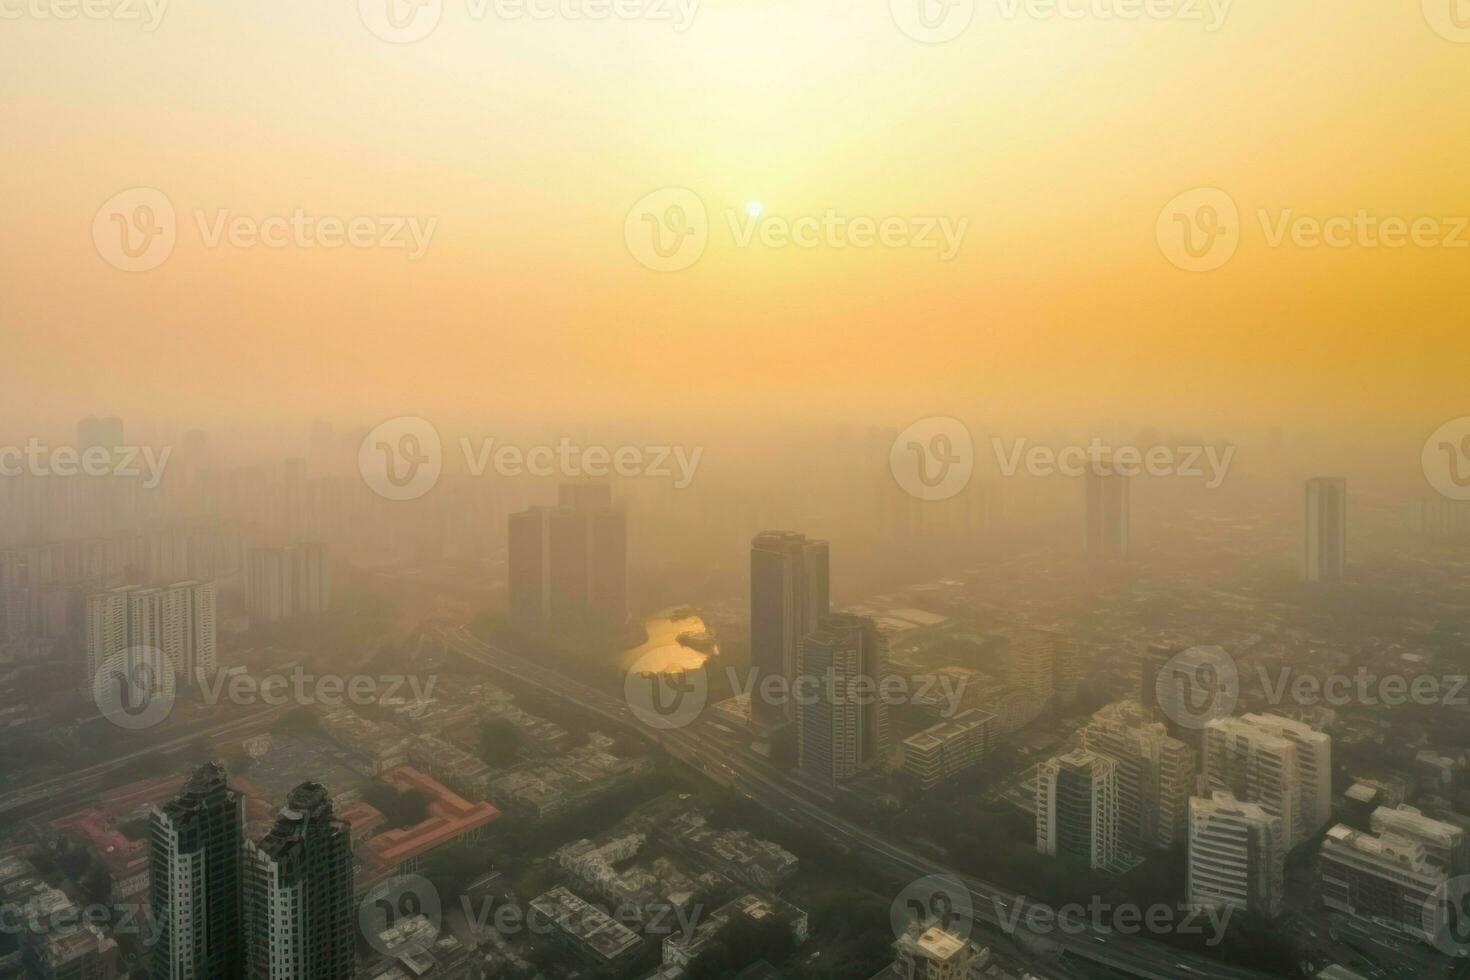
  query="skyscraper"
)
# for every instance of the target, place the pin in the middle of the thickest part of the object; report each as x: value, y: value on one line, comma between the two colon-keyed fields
x: 1077, y: 808
x: 569, y: 563
x: 1107, y: 504
x: 1313, y: 809
x: 1284, y: 765
x: 789, y: 592
x: 1326, y: 538
x: 841, y: 723
x: 1155, y: 774
x: 298, y: 921
x: 1235, y: 855
x: 194, y: 869
x: 178, y: 620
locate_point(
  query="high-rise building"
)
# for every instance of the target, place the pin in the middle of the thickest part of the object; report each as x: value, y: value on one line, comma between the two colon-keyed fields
x: 1235, y: 855
x: 1313, y: 809
x: 1107, y: 505
x: 1284, y: 765
x: 282, y: 583
x: 178, y: 620
x: 1385, y: 881
x: 1326, y: 538
x: 1255, y: 766
x: 569, y: 563
x: 194, y: 872
x: 841, y: 723
x: 1077, y: 808
x: 789, y: 593
x: 1156, y: 774
x: 299, y: 913
x: 929, y: 952
x: 945, y: 750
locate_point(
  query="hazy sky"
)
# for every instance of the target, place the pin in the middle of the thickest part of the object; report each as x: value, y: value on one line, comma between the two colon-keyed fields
x: 1059, y: 142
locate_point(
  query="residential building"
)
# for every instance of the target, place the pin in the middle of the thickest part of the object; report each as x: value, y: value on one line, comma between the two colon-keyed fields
x: 841, y: 722
x: 945, y: 750
x: 1254, y: 766
x: 789, y: 595
x: 1077, y: 808
x: 299, y: 913
x: 1156, y: 774
x: 194, y: 892
x: 1235, y: 855
x: 927, y: 952
x: 1385, y: 881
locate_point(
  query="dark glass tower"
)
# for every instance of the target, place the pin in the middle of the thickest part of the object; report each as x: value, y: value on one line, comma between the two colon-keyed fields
x: 194, y: 866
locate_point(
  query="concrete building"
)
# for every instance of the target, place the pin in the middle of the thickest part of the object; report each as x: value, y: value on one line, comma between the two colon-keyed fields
x: 1385, y: 881
x: 841, y: 722
x: 1446, y: 845
x: 1077, y: 808
x: 584, y: 930
x: 299, y: 914
x: 1326, y: 529
x: 945, y: 750
x: 1254, y: 766
x: 194, y: 858
x: 1156, y: 774
x: 568, y: 564
x: 282, y: 583
x: 1106, y: 495
x: 1235, y: 855
x: 926, y: 952
x: 789, y: 594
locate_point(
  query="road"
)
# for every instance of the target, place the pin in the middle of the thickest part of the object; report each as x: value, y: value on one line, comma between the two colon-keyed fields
x: 714, y: 753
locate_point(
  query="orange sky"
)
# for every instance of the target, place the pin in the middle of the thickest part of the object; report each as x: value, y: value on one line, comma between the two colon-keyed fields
x: 1059, y: 142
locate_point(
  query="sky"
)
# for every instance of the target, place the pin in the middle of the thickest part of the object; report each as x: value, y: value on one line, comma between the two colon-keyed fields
x: 521, y: 145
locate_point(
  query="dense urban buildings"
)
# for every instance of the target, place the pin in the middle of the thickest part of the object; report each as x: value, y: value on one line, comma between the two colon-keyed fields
x: 283, y: 583
x: 1156, y: 774
x: 789, y: 594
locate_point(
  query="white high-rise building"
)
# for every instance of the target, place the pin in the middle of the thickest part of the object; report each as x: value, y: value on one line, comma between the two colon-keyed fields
x: 1255, y: 766
x: 1313, y: 809
x: 1445, y: 844
x: 1156, y: 774
x: 1235, y: 856
x: 105, y: 629
x: 178, y: 620
x: 1386, y: 881
x: 1077, y: 808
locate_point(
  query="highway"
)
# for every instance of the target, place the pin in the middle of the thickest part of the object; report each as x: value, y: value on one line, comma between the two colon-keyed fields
x: 702, y: 745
